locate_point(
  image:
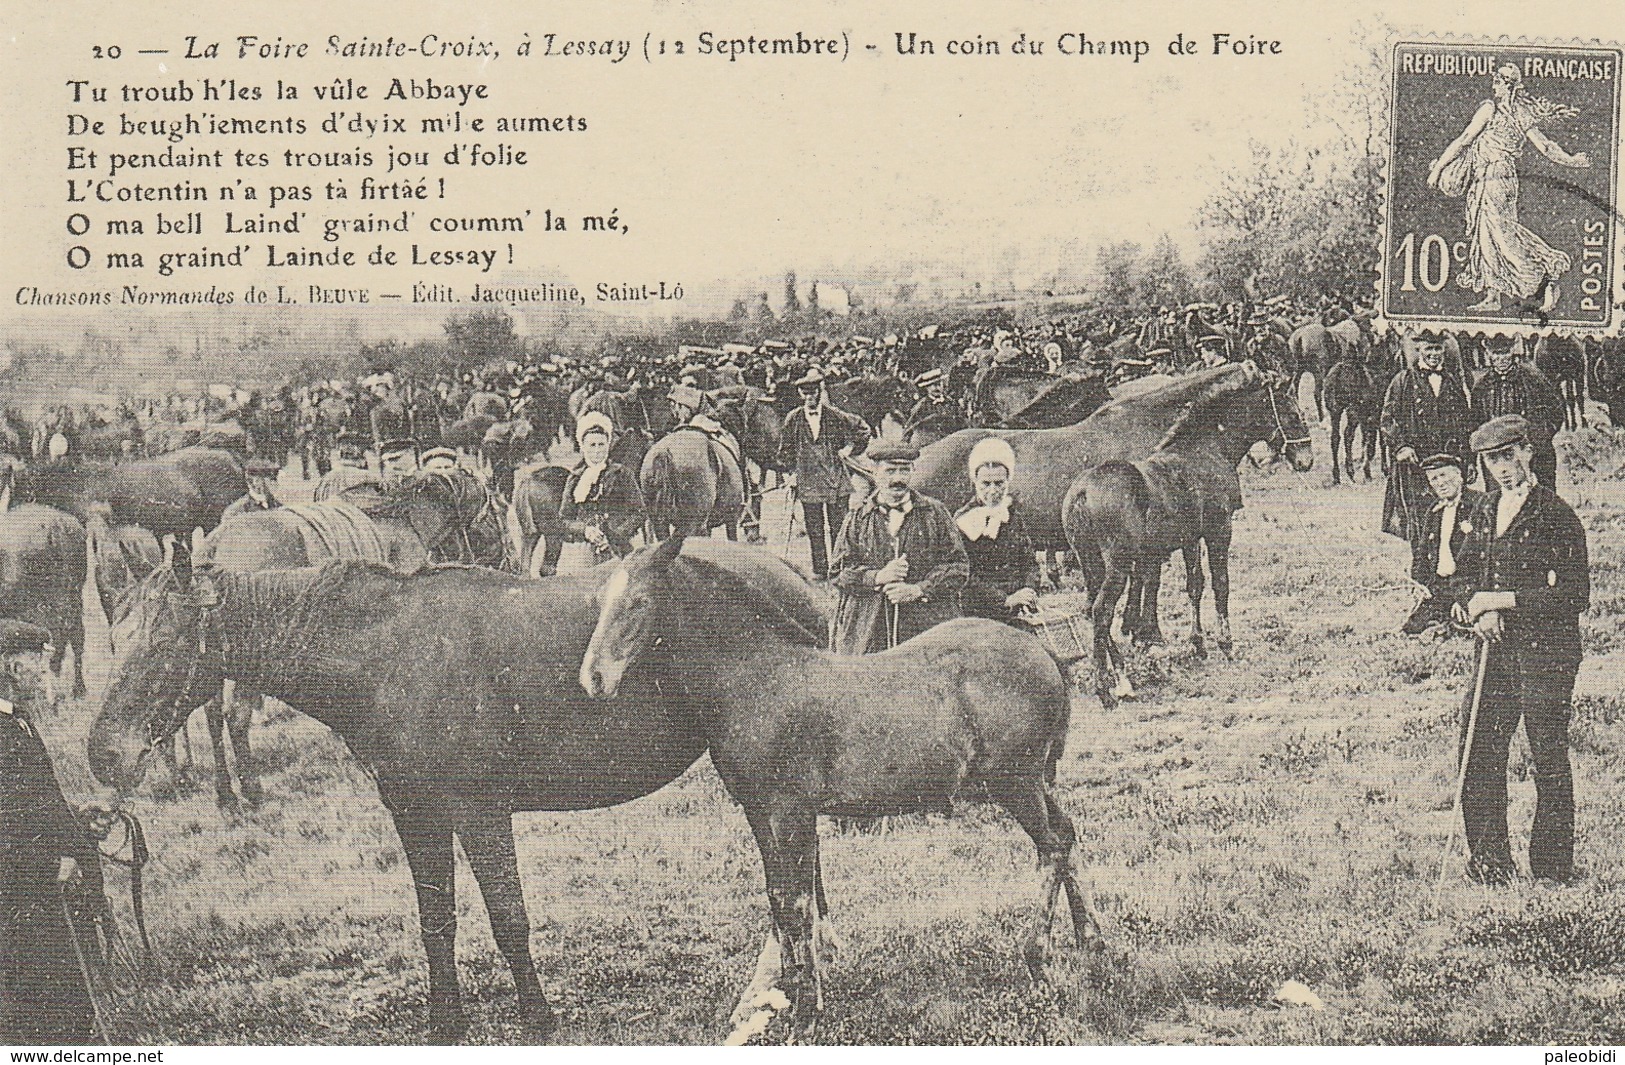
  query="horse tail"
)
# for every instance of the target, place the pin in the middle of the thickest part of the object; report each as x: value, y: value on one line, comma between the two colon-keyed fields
x: 659, y: 488
x: 1106, y: 507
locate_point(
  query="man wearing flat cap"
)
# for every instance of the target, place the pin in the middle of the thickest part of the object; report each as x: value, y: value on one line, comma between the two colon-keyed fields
x: 1424, y: 412
x: 943, y: 413
x: 817, y: 439
x: 44, y: 852
x: 1511, y: 386
x: 1456, y: 514
x: 261, y: 474
x: 1525, y: 580
x: 900, y: 564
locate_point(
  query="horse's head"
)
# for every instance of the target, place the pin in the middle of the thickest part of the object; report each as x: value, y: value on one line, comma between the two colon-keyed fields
x: 1288, y: 435
x: 171, y: 668
x: 640, y: 591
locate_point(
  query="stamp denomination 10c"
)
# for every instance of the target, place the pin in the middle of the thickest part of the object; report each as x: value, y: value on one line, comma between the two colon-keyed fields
x: 1501, y: 207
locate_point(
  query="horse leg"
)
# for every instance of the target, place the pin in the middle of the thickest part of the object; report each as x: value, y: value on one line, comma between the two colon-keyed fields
x: 239, y: 718
x: 1107, y: 657
x: 1194, y: 587
x: 1368, y: 439
x: 788, y: 842
x: 214, y: 714
x: 426, y: 838
x: 1080, y: 895
x: 488, y: 841
x: 1027, y: 802
x: 1218, y: 564
x: 1148, y: 574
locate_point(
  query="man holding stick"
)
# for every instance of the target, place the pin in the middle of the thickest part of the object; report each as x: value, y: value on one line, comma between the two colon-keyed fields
x: 1525, y: 582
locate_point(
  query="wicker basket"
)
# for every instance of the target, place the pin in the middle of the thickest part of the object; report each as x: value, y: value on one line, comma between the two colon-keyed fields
x: 1068, y: 634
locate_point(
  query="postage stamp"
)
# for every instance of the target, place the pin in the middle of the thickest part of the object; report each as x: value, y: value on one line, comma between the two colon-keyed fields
x: 1502, y: 206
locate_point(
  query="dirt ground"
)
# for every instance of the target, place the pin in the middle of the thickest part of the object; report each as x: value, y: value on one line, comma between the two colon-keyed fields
x: 1280, y: 815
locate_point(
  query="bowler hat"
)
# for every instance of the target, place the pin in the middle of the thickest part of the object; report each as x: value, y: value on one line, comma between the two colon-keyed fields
x: 813, y: 378
x: 929, y: 377
x: 1501, y: 432
x: 395, y: 447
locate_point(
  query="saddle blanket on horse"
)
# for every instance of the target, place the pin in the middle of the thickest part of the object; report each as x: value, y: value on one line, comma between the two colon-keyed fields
x: 335, y: 530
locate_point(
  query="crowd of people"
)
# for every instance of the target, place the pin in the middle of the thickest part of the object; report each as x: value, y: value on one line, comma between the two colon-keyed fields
x: 1506, y: 560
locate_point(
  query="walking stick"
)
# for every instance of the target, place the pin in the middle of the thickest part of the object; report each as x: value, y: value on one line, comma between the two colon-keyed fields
x: 790, y: 523
x: 1461, y: 769
x: 102, y: 1029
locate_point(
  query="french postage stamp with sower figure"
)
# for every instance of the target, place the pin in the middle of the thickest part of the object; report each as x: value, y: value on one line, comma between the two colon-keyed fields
x: 1501, y: 212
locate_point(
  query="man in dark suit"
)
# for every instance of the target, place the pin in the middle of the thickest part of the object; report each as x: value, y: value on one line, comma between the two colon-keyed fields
x: 1454, y: 516
x: 1424, y: 412
x: 900, y: 563
x: 1525, y: 582
x: 817, y: 439
x: 44, y: 852
x: 1511, y: 387
x: 944, y: 413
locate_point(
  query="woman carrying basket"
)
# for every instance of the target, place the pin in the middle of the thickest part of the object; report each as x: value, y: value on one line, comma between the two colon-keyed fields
x: 1003, y: 569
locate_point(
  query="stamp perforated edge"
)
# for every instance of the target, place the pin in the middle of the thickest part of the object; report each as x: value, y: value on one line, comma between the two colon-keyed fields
x: 1614, y: 326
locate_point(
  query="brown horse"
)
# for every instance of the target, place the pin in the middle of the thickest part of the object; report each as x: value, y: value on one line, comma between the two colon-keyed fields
x: 1124, y: 519
x: 693, y: 482
x: 457, y: 689
x: 42, y: 577
x: 970, y: 709
x: 1312, y: 349
x: 1048, y: 461
x: 1353, y: 396
x: 427, y: 511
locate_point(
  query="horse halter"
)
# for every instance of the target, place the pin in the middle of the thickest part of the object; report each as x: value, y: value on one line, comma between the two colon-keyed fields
x: 1280, y: 423
x: 181, y: 705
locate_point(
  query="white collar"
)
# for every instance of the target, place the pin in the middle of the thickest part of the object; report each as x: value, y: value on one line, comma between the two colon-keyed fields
x: 981, y: 521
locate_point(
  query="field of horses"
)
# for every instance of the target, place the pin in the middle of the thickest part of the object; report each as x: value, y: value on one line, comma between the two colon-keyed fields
x: 1279, y: 816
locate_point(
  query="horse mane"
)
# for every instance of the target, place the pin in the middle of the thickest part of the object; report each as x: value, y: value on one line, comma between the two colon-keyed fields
x: 455, y: 488
x: 1193, y: 414
x: 704, y: 582
x: 267, y: 606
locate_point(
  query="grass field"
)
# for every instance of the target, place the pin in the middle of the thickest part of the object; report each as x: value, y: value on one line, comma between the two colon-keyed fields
x: 1280, y: 816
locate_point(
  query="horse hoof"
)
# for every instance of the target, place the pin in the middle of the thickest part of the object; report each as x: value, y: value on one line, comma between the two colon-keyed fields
x: 1198, y: 648
x: 1108, y: 701
x: 253, y: 796
x: 227, y: 801
x: 1228, y: 648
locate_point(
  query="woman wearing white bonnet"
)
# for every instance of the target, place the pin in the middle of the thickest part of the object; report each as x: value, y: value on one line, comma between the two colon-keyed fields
x: 602, y: 503
x: 1003, y: 569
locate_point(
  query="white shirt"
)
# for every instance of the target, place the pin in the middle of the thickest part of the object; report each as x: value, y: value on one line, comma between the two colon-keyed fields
x: 814, y: 418
x: 1506, y: 510
x: 1447, y: 526
x: 1435, y: 382
x: 895, y: 515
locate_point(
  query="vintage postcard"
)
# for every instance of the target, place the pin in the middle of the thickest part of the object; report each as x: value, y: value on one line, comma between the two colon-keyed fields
x: 641, y: 523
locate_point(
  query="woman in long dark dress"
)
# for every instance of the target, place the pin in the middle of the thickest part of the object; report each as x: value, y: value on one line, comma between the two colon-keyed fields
x: 602, y: 502
x: 1003, y: 569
